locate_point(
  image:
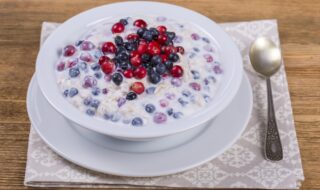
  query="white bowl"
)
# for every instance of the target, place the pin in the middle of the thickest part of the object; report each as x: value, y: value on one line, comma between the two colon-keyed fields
x: 70, y: 31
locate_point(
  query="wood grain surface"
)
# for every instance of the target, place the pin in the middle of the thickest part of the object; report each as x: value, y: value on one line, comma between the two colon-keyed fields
x: 20, y: 22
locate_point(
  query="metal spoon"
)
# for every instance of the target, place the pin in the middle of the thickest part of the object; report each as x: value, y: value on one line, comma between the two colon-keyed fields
x: 265, y: 58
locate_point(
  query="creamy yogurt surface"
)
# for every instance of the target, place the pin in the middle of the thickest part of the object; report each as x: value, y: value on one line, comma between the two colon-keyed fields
x: 91, y: 91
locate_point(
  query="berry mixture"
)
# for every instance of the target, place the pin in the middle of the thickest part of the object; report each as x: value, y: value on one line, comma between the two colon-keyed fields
x: 139, y: 71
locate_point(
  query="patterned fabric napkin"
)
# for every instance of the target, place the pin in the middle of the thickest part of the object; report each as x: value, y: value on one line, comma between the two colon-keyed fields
x: 241, y: 166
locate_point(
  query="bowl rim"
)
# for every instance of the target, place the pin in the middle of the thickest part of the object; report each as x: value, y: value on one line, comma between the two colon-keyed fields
x: 47, y: 83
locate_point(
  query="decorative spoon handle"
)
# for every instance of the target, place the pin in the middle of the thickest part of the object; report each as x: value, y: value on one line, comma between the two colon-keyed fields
x: 273, y: 149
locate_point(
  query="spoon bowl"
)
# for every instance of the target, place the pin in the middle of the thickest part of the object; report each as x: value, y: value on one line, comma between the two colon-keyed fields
x: 265, y: 56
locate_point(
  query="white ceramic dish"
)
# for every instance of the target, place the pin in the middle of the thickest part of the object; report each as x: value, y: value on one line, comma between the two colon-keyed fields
x: 70, y: 30
x: 108, y: 155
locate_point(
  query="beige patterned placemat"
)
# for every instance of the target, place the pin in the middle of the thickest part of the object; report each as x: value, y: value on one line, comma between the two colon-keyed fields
x: 241, y: 166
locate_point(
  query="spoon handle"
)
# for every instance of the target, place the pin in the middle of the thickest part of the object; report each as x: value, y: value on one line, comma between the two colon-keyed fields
x: 273, y: 149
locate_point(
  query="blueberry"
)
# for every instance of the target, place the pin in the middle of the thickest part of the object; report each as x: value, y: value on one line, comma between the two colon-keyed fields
x: 145, y: 58
x: 148, y: 66
x: 186, y: 93
x: 161, y: 69
x: 95, y: 103
x: 131, y: 96
x: 98, y: 54
x: 107, y: 116
x: 168, y: 42
x: 125, y: 65
x: 170, y: 111
x: 116, y: 61
x: 78, y: 43
x: 155, y: 60
x: 173, y: 57
x: 196, y: 49
x: 104, y: 91
x: 177, y: 115
x: 147, y: 35
x: 95, y: 66
x: 66, y: 92
x: 95, y: 91
x: 98, y: 75
x: 129, y: 46
x: 150, y: 90
x: 137, y: 121
x: 168, y: 64
x: 87, y: 101
x: 121, y: 101
x: 123, y: 21
x: 123, y: 56
x: 73, y: 92
x: 196, y: 74
x: 206, y: 98
x: 90, y: 112
x: 205, y: 40
x: 154, y: 78
x: 141, y: 31
x: 150, y: 108
x: 117, y: 78
x: 74, y: 72
x: 115, y: 118
x: 83, y: 66
x: 171, y: 35
x: 120, y: 50
x: 176, y: 82
x: 182, y: 101
x: 118, y: 40
x: 192, y: 55
x: 154, y: 33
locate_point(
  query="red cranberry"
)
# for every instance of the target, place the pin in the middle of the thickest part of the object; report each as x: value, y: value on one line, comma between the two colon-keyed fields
x: 136, y: 60
x: 132, y: 37
x: 162, y: 38
x: 140, y: 23
x: 176, y: 71
x: 208, y: 58
x: 87, y: 46
x: 137, y: 87
x: 164, y: 57
x: 134, y: 53
x: 161, y: 29
x: 195, y: 86
x: 153, y: 48
x: 69, y: 50
x: 180, y: 50
x: 60, y: 66
x: 140, y: 72
x: 103, y: 59
x: 86, y: 57
x: 168, y: 49
x: 72, y: 62
x: 117, y: 28
x: 108, y: 67
x: 128, y: 73
x: 195, y: 36
x: 108, y: 47
x: 142, y: 47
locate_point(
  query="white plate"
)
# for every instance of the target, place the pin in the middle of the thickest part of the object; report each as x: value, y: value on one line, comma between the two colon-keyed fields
x: 170, y: 155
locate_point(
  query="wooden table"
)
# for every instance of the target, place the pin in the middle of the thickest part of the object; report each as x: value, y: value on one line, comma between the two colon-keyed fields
x: 20, y: 22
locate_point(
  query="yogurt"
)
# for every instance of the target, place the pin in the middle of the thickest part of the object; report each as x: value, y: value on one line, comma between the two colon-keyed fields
x: 93, y: 92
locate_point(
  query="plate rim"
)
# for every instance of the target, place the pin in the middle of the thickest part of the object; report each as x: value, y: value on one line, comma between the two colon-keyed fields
x: 154, y: 174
